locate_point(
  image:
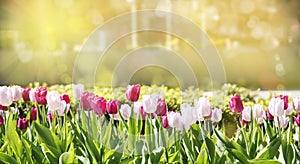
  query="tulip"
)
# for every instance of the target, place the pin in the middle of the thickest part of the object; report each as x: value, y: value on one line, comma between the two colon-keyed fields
x: 164, y: 121
x: 258, y: 113
x: 283, y: 121
x: 188, y: 116
x: 125, y: 110
x: 40, y: 95
x: 99, y: 105
x: 16, y: 92
x: 77, y: 90
x: 174, y: 120
x: 22, y: 123
x: 86, y: 99
x: 55, y: 103
x: 276, y: 107
x: 161, y: 108
x: 269, y: 115
x: 49, y: 117
x: 133, y: 92
x: 1, y: 119
x: 203, y: 108
x: 289, y: 110
x: 3, y: 107
x: 246, y: 115
x: 66, y: 98
x: 297, y: 104
x: 236, y: 104
x: 285, y: 99
x: 25, y: 94
x: 150, y: 102
x: 6, y: 97
x: 297, y: 120
x: 112, y: 107
x: 32, y: 95
x: 33, y: 114
x: 216, y: 115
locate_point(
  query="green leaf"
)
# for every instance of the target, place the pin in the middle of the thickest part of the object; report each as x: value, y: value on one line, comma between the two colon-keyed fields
x: 7, y: 158
x: 28, y: 151
x: 202, y: 157
x: 174, y: 157
x: 239, y: 155
x: 36, y: 151
x: 211, y: 149
x: 156, y: 155
x: 67, y: 157
x: 13, y: 138
x: 270, y: 150
x: 112, y: 157
x: 48, y: 137
x: 263, y: 161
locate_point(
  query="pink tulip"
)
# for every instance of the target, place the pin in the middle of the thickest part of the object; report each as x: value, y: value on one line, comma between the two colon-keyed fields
x: 133, y: 92
x: 285, y: 99
x: 55, y: 103
x: 165, y: 123
x: 246, y: 115
x: 25, y: 94
x: 125, y: 110
x: 283, y: 121
x: 112, y: 107
x: 99, y: 105
x: 203, y: 108
x: 22, y: 123
x: 216, y: 115
x: 40, y: 95
x: 150, y: 102
x: 161, y: 108
x: 16, y: 92
x: 297, y: 104
x: 188, y: 115
x: 276, y: 107
x: 33, y: 114
x: 269, y: 115
x: 236, y: 104
x: 66, y: 98
x: 297, y: 120
x: 174, y: 120
x: 86, y: 99
x: 258, y: 113
x: 6, y: 97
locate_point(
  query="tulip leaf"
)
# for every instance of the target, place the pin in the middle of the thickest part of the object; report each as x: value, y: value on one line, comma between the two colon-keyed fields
x: 239, y: 155
x: 270, y: 150
x: 13, y: 138
x: 28, y: 151
x: 67, y: 157
x: 173, y: 158
x: 7, y: 158
x: 210, y: 149
x: 202, y: 157
x: 263, y: 161
x: 48, y: 137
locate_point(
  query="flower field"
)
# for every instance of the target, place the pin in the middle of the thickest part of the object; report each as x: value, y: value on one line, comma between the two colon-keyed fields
x: 146, y: 124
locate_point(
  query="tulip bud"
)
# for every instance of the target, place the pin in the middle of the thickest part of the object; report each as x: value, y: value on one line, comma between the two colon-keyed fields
x: 285, y: 99
x: 16, y: 92
x: 236, y: 104
x: 22, y: 123
x: 112, y: 107
x: 25, y: 94
x: 297, y: 120
x: 65, y: 97
x: 150, y: 102
x: 216, y: 115
x: 40, y: 95
x: 99, y: 105
x: 33, y: 114
x: 269, y: 115
x: 133, y: 92
x: 165, y: 123
x: 6, y: 97
x: 77, y: 90
x: 3, y: 107
x: 1, y: 120
x: 161, y: 108
x: 297, y: 104
x: 86, y: 99
x: 125, y: 110
x: 276, y: 107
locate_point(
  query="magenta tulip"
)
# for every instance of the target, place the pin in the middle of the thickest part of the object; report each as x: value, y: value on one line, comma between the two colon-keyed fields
x: 3, y: 107
x: 236, y: 104
x: 65, y: 97
x: 1, y: 120
x: 133, y: 92
x: 33, y: 114
x: 40, y: 95
x: 25, y: 94
x: 161, y: 108
x: 112, y: 107
x: 99, y: 105
x: 22, y: 123
x: 269, y: 115
x: 165, y: 123
x: 285, y: 99
x: 297, y: 120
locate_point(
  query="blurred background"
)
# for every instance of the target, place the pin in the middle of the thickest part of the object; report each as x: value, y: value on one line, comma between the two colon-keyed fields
x: 257, y: 40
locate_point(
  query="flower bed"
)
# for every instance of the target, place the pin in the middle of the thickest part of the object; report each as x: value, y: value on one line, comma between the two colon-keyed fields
x: 143, y: 124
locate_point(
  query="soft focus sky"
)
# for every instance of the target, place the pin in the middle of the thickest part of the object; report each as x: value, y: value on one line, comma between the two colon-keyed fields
x: 258, y: 40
